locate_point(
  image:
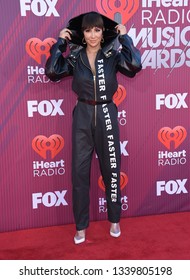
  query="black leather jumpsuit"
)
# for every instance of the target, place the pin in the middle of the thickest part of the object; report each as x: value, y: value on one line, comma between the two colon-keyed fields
x: 95, y: 124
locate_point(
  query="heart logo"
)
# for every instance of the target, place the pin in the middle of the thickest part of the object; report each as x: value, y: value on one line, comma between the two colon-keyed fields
x: 166, y: 135
x: 41, y: 144
x: 36, y: 48
x: 123, y: 181
x: 120, y: 11
x: 119, y: 95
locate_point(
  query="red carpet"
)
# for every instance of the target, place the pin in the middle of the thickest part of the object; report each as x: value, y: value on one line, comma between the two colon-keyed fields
x: 161, y: 237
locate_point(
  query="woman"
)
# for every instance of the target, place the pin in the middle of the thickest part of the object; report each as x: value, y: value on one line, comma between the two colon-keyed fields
x: 93, y: 63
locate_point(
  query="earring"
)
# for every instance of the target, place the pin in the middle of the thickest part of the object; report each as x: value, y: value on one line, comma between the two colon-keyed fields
x: 83, y: 41
x: 102, y: 41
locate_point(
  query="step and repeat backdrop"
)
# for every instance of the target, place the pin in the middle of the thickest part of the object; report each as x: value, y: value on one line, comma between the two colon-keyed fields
x: 36, y: 114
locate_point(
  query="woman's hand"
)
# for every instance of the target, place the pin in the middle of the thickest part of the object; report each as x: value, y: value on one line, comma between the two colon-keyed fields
x: 121, y: 29
x: 65, y: 33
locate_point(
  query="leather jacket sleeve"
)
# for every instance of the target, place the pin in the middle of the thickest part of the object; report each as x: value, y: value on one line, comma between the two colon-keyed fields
x: 58, y: 66
x: 129, y: 57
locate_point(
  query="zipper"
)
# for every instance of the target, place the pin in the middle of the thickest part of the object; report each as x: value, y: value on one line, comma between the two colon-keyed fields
x: 95, y: 92
x: 95, y: 96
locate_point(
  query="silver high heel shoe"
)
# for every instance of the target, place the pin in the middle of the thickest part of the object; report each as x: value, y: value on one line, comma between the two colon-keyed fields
x: 79, y: 236
x: 115, y: 230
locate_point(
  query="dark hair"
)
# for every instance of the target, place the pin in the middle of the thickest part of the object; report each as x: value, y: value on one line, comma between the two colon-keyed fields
x: 91, y: 20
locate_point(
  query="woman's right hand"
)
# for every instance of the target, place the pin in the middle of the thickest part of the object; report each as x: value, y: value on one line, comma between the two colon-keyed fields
x: 65, y: 33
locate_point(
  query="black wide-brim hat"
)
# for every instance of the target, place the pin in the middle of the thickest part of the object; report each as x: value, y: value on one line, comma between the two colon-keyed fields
x: 109, y: 33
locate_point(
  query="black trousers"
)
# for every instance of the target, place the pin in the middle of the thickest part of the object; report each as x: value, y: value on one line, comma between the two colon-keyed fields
x: 95, y: 128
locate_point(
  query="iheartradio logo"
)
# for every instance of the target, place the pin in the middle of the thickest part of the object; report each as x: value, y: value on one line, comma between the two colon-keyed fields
x: 36, y: 48
x: 120, y: 11
x: 123, y: 181
x: 41, y: 144
x: 119, y: 95
x: 177, y: 135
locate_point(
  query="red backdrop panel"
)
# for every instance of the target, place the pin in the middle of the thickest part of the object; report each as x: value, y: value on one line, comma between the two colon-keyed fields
x: 36, y: 114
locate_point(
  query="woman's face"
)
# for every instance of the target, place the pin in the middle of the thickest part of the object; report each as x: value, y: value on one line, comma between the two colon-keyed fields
x: 93, y: 36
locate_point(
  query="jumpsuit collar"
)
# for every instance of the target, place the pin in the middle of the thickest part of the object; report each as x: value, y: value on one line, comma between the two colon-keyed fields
x: 106, y: 52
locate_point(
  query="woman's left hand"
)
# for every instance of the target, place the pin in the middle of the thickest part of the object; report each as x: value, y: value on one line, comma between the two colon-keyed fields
x: 121, y: 29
